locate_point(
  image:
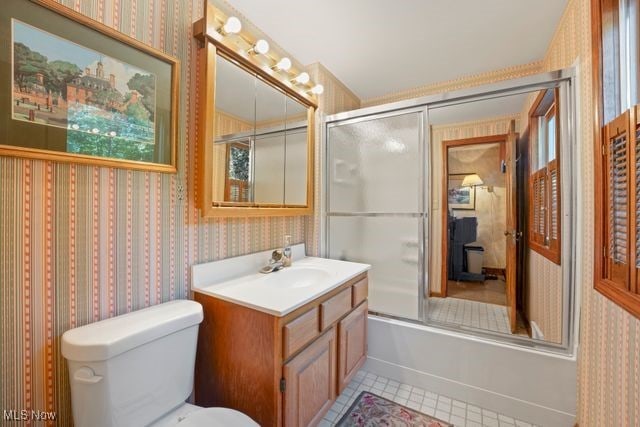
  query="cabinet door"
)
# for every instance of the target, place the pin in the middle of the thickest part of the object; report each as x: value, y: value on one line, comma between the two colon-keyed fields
x: 352, y: 345
x: 310, y: 380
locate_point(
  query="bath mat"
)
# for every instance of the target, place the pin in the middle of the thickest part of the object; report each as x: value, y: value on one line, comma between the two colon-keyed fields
x: 371, y: 410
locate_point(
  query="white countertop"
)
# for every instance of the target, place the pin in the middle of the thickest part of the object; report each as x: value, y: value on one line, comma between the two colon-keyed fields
x: 277, y: 293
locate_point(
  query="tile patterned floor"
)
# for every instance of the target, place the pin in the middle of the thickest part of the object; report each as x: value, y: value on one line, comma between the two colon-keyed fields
x: 491, y: 291
x: 474, y: 314
x: 457, y: 412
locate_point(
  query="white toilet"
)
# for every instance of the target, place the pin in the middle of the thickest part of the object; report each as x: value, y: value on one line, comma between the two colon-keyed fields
x: 137, y: 370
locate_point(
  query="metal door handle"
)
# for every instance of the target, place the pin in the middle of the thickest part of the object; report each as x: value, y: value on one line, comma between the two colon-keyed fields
x: 514, y: 234
x: 85, y: 375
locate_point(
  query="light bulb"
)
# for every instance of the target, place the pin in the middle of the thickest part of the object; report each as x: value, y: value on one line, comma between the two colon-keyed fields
x: 317, y: 89
x: 261, y: 47
x: 284, y: 64
x: 302, y: 78
x: 232, y: 26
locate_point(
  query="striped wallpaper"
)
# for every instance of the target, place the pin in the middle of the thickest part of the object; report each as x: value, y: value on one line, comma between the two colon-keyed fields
x: 609, y: 356
x: 81, y: 243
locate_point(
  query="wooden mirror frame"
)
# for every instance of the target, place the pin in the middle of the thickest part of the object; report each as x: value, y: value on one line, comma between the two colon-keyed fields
x: 212, y: 45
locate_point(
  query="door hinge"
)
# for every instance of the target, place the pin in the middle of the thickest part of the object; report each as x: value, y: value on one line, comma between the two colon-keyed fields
x: 283, y: 385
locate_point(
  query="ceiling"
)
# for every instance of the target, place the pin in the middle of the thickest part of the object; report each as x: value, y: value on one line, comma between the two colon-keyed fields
x: 377, y: 47
x: 499, y: 106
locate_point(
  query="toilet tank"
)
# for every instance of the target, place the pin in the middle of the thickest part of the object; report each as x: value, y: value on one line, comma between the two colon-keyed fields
x: 132, y: 369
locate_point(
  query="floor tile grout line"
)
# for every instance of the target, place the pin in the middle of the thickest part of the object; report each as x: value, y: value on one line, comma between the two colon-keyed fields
x: 451, y: 410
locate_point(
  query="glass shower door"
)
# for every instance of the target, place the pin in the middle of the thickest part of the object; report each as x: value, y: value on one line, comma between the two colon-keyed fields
x: 375, y: 211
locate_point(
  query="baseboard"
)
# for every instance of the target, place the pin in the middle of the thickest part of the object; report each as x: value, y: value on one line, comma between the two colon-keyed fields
x: 513, y: 407
x: 494, y: 271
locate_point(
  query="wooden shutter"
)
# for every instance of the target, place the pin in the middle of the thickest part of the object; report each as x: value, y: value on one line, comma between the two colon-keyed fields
x: 617, y: 176
x: 635, y: 191
x: 544, y: 184
x: 538, y: 202
x: 553, y: 234
x: 236, y: 190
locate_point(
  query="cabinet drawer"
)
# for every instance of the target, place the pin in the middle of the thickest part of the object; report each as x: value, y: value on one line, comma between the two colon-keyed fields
x: 299, y: 332
x: 360, y: 292
x: 334, y: 308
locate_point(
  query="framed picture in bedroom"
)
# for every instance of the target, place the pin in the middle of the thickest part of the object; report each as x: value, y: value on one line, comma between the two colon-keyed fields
x: 459, y: 197
x: 75, y: 90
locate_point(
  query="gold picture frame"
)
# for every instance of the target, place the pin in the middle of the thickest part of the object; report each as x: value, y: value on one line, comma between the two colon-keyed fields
x: 458, y: 197
x: 79, y: 91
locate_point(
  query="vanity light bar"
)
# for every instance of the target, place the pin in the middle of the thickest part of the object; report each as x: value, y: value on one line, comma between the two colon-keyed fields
x: 302, y: 78
x: 233, y: 26
x: 283, y: 65
x: 317, y: 89
x: 260, y: 47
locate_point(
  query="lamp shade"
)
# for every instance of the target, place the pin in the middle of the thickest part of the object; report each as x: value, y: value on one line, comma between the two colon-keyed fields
x: 472, y: 180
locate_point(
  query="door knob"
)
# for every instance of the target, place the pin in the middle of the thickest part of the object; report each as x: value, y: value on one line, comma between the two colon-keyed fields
x: 514, y: 234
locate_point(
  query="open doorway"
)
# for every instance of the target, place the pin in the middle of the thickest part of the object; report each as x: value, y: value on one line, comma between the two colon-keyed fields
x: 476, y: 218
x: 480, y: 267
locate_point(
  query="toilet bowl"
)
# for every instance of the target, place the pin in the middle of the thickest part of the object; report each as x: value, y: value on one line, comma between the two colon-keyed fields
x: 189, y: 415
x: 137, y: 370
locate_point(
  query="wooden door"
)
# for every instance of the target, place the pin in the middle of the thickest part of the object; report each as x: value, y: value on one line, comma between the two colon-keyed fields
x: 352, y: 345
x: 310, y: 382
x: 511, y: 233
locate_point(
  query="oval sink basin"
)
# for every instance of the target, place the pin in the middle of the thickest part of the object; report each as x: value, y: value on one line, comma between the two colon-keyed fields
x: 295, y: 277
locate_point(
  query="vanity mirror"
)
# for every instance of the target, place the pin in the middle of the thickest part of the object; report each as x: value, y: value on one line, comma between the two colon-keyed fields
x: 255, y: 129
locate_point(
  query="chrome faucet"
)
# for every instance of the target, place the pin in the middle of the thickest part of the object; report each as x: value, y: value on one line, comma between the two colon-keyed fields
x: 276, y: 262
x: 280, y: 258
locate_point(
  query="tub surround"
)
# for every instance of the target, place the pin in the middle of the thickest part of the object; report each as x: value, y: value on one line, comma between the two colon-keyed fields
x: 279, y: 293
x: 280, y: 346
x: 519, y: 382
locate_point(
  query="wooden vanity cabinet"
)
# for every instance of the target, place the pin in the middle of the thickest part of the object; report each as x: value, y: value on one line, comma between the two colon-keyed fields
x: 281, y: 370
x: 352, y: 344
x: 311, y: 382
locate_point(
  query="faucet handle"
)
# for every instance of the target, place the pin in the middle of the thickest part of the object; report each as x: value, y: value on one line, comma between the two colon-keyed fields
x: 277, y: 255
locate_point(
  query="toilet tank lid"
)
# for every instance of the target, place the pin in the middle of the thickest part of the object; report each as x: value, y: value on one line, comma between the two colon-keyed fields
x: 107, y: 338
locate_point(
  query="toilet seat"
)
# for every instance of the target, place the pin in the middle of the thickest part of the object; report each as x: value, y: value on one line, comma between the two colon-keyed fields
x: 214, y: 417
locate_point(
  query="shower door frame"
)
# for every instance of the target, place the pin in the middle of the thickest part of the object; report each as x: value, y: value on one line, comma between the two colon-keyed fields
x: 560, y: 78
x: 424, y: 185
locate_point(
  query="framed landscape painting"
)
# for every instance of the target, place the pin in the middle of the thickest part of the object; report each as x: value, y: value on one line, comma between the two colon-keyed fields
x: 459, y: 197
x: 80, y: 91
